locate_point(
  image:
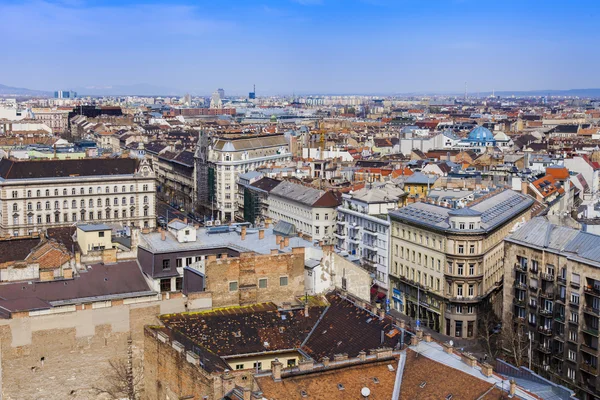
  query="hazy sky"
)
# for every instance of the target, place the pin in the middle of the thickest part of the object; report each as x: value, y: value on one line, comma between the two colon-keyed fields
x: 320, y: 46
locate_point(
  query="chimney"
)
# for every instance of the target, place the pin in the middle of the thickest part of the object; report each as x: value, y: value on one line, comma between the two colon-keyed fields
x: 267, y: 222
x: 185, y: 220
x: 306, y: 310
x: 281, y: 244
x: 261, y: 234
x: 247, y: 394
x: 277, y: 239
x: 286, y: 241
x: 228, y: 382
x: 513, y: 388
x: 362, y: 356
x: 243, y: 234
x: 163, y: 235
x: 276, y: 367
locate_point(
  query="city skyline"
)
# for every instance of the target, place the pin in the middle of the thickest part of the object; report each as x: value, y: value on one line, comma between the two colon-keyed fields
x: 301, y: 46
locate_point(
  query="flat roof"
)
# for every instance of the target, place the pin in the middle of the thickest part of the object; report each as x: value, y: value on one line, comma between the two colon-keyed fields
x: 94, y: 227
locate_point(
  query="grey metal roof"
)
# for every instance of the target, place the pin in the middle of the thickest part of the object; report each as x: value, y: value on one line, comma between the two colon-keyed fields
x: 177, y: 225
x: 572, y: 243
x: 464, y: 212
x: 94, y: 227
x: 421, y: 178
x: 285, y: 229
x: 495, y: 210
x: 299, y: 193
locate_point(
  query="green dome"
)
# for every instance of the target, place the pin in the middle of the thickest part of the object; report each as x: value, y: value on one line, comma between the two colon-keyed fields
x: 273, y: 118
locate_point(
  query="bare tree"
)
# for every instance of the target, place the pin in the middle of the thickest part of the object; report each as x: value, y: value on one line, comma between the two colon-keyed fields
x: 124, y: 380
x: 515, y: 342
x: 489, y: 335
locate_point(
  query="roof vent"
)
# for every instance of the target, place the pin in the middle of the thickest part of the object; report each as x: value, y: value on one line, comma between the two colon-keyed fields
x: 422, y: 385
x: 303, y: 393
x: 340, y: 386
x: 391, y: 368
x: 237, y: 334
x: 449, y: 397
x: 376, y: 380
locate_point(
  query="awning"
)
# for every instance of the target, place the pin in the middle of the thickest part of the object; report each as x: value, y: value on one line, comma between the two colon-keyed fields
x: 381, y: 295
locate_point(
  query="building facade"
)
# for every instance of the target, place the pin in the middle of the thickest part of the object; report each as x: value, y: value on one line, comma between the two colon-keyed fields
x: 552, y: 294
x: 363, y: 228
x: 311, y: 211
x: 220, y: 160
x: 35, y: 195
x: 446, y: 264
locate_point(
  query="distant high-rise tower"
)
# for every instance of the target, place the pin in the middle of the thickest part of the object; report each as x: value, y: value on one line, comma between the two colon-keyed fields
x: 252, y: 94
x: 221, y: 93
x: 65, y: 94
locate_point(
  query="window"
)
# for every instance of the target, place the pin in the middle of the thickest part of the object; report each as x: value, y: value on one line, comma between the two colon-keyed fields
x: 73, y: 191
x: 48, y: 218
x: 571, y: 373
x: 257, y: 366
x: 459, y: 290
x: 131, y: 200
x: 122, y: 188
x: 179, y: 263
x: 574, y: 317
x: 91, y: 215
x: 574, y: 298
x: 131, y: 188
x: 99, y: 214
x: 107, y: 202
x: 575, y: 279
x: 15, y: 194
x: 166, y: 264
x: 239, y: 367
x: 233, y: 286
x: 458, y: 309
x: 573, y: 336
x: 283, y: 281
x: 317, y: 216
x: 90, y: 190
x: 471, y: 225
x: 47, y: 192
x: 38, y: 193
x: 471, y: 269
x: 178, y: 284
x: 39, y: 219
x: 91, y: 203
x: 572, y: 355
x: 291, y: 363
x: 317, y: 230
x: 471, y: 290
x: 145, y: 199
x: 100, y: 234
x: 107, y: 190
x: 472, y: 249
x: 38, y: 206
x: 165, y: 285
x: 29, y: 206
x: 74, y: 217
x: 56, y: 192
x: 460, y: 269
x: 124, y: 201
x: 64, y: 192
x: 116, y: 201
x: 29, y: 193
x: 145, y: 212
x: 461, y: 225
x: 145, y: 188
x: 116, y: 213
x: 461, y: 249
x: 326, y: 217
x: 262, y: 283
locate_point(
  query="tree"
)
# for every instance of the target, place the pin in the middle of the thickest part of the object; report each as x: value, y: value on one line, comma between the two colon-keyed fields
x: 124, y: 380
x: 489, y: 335
x: 515, y: 342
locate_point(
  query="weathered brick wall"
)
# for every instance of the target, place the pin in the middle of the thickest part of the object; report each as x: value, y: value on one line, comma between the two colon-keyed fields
x: 247, y: 270
x: 75, y: 348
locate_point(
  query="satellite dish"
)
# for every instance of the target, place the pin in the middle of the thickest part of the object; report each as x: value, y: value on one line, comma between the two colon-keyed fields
x: 365, y: 391
x: 451, y: 343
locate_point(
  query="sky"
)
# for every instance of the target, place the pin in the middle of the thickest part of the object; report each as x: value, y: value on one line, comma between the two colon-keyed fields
x: 301, y: 46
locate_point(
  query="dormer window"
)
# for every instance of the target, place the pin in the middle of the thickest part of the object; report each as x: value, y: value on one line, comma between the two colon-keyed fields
x: 461, y: 225
x: 472, y: 225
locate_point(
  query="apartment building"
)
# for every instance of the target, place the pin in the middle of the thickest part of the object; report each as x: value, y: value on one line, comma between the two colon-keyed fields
x: 35, y: 195
x: 446, y: 263
x: 363, y: 228
x: 219, y: 160
x: 57, y: 120
x: 311, y: 211
x: 552, y: 295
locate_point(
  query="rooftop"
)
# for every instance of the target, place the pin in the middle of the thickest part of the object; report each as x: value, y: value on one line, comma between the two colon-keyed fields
x: 495, y: 210
x: 93, y: 227
x: 10, y: 169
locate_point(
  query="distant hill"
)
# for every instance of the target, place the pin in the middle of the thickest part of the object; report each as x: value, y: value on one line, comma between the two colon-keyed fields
x: 14, y: 91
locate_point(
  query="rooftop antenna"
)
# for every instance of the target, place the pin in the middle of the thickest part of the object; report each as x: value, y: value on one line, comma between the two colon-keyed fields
x: 465, y: 91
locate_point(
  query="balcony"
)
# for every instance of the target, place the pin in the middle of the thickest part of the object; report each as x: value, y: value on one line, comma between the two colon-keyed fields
x: 593, y: 290
x: 354, y: 239
x: 545, y: 312
x: 590, y: 369
x: 544, y: 349
x: 592, y: 311
x: 343, y: 223
x: 558, y: 356
x: 574, y: 305
x: 339, y: 235
x: 369, y: 246
x: 519, y: 303
x: 590, y: 331
x: 520, y: 268
x: 560, y: 318
x: 588, y: 348
x: 575, y: 285
x: 371, y: 234
x: 547, y: 277
x: 520, y: 285
x: 544, y: 330
x: 466, y: 299
x: 533, y: 270
x: 561, y: 279
x: 546, y: 295
x: 560, y: 300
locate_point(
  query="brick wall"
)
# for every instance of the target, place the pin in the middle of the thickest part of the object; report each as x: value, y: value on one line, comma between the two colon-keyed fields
x: 63, y: 356
x: 247, y: 270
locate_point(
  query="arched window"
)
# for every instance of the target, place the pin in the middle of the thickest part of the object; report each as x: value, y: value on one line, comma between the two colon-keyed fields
x: 74, y: 204
x: 131, y: 200
x: 98, y: 189
x: 82, y: 191
x: 29, y: 206
x: 107, y: 202
x: 38, y: 206
x: 38, y: 193
x: 90, y: 190
x: 65, y: 204
x: 82, y: 202
x: 15, y: 207
x: 47, y: 205
x: 56, y: 205
x: 73, y: 191
x: 107, y: 189
x: 123, y: 188
x: 145, y: 199
x: 115, y: 189
x: 116, y: 201
x: 47, y: 192
x: 29, y: 193
x: 91, y: 202
x: 64, y: 192
x: 131, y: 188
x: 124, y: 201
x: 56, y: 192
x: 99, y: 202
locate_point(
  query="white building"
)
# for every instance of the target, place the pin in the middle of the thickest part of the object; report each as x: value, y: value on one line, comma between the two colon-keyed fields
x: 35, y: 195
x: 220, y: 160
x: 311, y: 211
x: 363, y: 228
